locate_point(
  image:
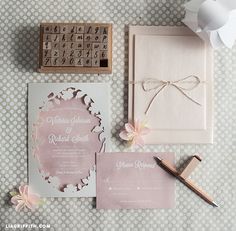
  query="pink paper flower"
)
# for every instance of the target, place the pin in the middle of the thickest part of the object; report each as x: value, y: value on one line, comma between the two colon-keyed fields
x: 134, y: 134
x: 25, y: 198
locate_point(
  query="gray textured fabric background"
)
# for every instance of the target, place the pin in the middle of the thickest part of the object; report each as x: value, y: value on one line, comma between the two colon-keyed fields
x: 18, y: 62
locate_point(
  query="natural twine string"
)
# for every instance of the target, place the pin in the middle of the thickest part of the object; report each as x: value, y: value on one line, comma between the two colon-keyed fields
x: 150, y: 84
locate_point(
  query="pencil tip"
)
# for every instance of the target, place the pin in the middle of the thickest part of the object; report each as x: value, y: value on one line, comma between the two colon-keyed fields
x: 157, y: 158
x: 214, y: 204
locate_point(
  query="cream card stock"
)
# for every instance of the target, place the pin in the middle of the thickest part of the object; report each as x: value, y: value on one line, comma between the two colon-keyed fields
x: 171, y: 84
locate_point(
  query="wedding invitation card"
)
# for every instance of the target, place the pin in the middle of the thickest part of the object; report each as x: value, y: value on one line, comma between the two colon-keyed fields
x: 170, y: 73
x: 134, y: 181
x: 68, y: 124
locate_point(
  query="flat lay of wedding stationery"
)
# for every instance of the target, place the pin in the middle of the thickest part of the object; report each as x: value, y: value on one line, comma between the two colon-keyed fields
x: 170, y: 101
x: 68, y: 124
x: 118, y: 115
x: 170, y: 84
x: 75, y: 48
x: 133, y: 180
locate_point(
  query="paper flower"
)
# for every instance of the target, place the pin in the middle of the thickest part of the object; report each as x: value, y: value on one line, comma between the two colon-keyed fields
x: 25, y: 198
x: 134, y: 134
x: 212, y: 20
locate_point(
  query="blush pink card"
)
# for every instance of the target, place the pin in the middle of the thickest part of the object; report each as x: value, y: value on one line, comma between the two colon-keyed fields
x: 133, y: 181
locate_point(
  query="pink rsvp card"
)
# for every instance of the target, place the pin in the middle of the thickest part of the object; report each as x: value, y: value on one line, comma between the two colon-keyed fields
x: 134, y: 181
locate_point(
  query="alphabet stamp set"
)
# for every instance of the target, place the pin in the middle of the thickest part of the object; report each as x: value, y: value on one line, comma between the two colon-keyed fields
x: 75, y: 48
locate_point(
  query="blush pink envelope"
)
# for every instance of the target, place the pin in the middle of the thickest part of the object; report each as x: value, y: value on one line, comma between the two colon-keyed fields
x: 133, y: 181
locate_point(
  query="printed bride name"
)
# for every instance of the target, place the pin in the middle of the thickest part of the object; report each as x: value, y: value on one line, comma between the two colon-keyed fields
x: 55, y: 139
x: 53, y: 120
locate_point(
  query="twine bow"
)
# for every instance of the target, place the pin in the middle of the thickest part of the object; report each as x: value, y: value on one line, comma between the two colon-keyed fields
x: 159, y: 85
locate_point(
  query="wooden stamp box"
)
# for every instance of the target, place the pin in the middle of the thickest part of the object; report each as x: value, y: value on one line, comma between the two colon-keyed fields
x: 75, y: 48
